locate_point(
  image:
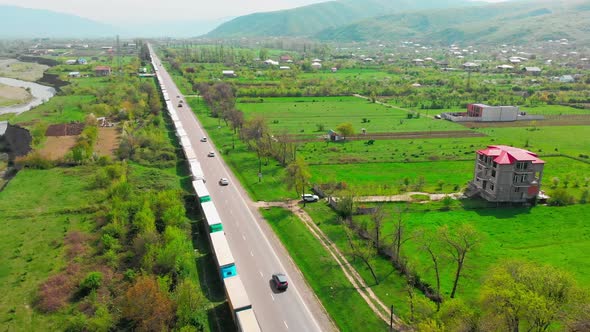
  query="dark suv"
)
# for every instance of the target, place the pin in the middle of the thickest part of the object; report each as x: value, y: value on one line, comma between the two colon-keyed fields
x: 280, y: 281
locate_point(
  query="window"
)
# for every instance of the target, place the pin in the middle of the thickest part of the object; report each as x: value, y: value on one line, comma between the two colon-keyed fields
x: 492, y: 187
x: 493, y: 173
x: 515, y: 179
x: 521, y: 165
x: 495, y: 164
x: 523, y: 178
x: 516, y: 189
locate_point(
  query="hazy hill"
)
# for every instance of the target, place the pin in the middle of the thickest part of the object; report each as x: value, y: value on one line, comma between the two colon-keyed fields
x: 512, y: 22
x: 17, y: 22
x: 311, y: 19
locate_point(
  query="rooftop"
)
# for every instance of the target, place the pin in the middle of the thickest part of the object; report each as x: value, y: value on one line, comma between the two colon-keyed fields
x: 505, y: 155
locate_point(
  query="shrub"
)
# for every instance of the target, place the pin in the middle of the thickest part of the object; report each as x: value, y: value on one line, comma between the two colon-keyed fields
x: 561, y: 197
x: 91, y: 282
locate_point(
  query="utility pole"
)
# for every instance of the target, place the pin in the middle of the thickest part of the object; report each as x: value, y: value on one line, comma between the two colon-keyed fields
x: 118, y: 55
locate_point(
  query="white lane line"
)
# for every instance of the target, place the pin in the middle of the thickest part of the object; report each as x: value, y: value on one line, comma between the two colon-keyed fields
x: 244, y: 237
x: 262, y: 275
x: 251, y: 253
x: 273, y: 298
x: 287, y: 326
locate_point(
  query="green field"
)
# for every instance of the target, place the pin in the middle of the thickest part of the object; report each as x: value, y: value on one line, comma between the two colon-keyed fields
x: 544, y: 235
x: 366, y: 179
x: 38, y: 208
x: 302, y: 116
x: 530, y: 234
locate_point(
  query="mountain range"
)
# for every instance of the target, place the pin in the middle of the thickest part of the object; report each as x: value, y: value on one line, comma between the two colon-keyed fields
x: 18, y: 22
x: 442, y: 21
x: 310, y: 20
x: 511, y: 22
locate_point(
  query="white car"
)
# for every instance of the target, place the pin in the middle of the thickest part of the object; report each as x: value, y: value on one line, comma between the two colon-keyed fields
x: 223, y: 182
x: 310, y: 198
x: 211, y: 154
x: 204, y: 139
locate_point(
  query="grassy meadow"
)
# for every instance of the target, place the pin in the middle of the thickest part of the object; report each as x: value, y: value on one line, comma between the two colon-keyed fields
x: 304, y: 115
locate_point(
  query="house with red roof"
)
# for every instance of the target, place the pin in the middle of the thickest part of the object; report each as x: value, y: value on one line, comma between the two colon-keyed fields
x: 506, y: 174
x: 102, y: 70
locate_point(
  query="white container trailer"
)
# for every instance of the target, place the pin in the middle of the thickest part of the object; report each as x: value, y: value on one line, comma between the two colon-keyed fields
x: 196, y: 169
x: 225, y: 261
x: 201, y: 191
x: 212, y: 217
x: 185, y: 143
x: 180, y: 132
x: 190, y: 154
x: 246, y: 321
x: 236, y: 294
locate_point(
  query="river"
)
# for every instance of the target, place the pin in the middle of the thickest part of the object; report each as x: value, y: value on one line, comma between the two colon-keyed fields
x: 41, y: 94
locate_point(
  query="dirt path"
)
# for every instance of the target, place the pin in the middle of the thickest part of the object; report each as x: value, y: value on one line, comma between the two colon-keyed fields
x: 380, y: 309
x: 406, y: 197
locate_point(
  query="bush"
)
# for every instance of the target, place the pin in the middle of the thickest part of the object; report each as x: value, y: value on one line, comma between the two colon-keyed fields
x: 91, y: 282
x: 561, y: 197
x: 34, y: 160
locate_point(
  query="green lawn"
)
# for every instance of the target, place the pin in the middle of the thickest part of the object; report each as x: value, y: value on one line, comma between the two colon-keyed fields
x: 38, y: 208
x: 559, y: 236
x: 386, y: 178
x: 303, y: 115
x: 544, y: 235
x: 346, y: 307
x: 49, y: 112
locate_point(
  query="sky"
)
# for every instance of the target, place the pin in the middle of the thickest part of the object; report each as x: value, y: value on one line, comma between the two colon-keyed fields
x: 135, y: 11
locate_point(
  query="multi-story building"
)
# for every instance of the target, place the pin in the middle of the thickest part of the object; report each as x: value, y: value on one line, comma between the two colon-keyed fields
x: 506, y: 174
x: 493, y: 113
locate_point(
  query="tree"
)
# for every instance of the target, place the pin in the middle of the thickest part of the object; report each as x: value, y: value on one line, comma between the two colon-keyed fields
x: 191, y: 304
x: 147, y: 306
x: 522, y: 294
x: 430, y: 244
x: 345, y: 129
x: 363, y: 250
x: 255, y: 131
x: 398, y: 234
x: 459, y: 243
x: 377, y: 218
x: 298, y: 176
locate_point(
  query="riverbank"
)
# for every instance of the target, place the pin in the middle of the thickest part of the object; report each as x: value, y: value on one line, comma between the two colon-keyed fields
x: 40, y: 94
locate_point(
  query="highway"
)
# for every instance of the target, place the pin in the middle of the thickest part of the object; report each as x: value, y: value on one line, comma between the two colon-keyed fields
x: 256, y: 250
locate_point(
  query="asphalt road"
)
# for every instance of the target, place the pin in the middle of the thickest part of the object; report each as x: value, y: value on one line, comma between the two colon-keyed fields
x: 256, y: 250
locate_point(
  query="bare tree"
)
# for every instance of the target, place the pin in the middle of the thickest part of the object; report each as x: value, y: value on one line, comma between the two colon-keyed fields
x: 254, y: 133
x: 430, y: 244
x: 363, y: 250
x: 398, y: 233
x: 377, y: 218
x: 459, y: 243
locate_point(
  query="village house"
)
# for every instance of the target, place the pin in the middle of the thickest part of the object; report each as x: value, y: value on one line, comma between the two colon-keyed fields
x: 535, y: 71
x: 102, y: 70
x: 74, y: 74
x: 316, y: 65
x: 506, y: 174
x: 229, y: 73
